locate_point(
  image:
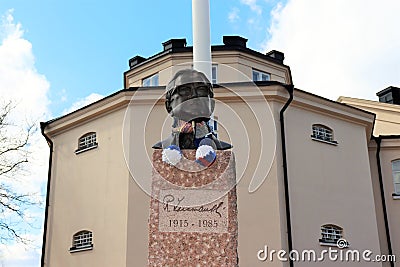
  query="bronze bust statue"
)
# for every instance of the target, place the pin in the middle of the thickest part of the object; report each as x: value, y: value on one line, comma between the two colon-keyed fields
x: 190, y: 102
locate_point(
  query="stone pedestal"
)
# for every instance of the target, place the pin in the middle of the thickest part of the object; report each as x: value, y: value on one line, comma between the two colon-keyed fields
x: 193, y: 213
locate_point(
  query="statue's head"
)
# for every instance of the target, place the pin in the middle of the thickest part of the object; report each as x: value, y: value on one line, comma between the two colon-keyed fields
x: 190, y: 96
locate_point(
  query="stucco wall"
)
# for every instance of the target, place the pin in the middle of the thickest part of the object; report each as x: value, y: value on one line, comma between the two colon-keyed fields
x: 329, y: 184
x: 89, y: 191
x: 390, y: 151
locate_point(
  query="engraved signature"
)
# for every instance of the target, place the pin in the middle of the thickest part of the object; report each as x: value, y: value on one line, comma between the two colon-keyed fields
x: 170, y: 207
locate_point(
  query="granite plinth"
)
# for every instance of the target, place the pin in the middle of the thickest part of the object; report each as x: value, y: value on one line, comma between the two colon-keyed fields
x: 193, y: 213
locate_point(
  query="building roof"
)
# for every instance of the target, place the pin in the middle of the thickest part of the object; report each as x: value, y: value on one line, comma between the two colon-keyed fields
x: 231, y: 43
x: 364, y: 103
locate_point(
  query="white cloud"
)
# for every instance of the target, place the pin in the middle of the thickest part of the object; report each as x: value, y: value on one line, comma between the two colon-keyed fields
x: 17, y: 255
x: 93, y: 97
x: 21, y: 83
x: 233, y: 16
x: 339, y: 47
x: 253, y: 6
x: 19, y: 78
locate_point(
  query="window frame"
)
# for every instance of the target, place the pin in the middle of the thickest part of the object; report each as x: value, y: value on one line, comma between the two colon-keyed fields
x: 326, y: 131
x: 214, y: 125
x: 78, y: 237
x: 337, y: 234
x: 89, y: 144
x: 153, y: 80
x: 260, y: 74
x: 214, y: 80
x: 396, y: 192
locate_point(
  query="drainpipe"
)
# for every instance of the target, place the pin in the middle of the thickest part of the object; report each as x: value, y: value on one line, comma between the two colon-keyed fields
x: 50, y: 143
x: 385, y: 217
x: 289, y: 88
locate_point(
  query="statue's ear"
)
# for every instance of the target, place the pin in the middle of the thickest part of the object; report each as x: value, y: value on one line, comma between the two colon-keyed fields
x: 168, y: 105
x: 212, y: 104
x: 168, y: 101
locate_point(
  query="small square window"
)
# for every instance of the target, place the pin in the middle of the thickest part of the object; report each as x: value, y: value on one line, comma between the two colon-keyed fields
x: 322, y: 133
x: 82, y: 240
x: 86, y: 142
x: 261, y: 76
x: 330, y: 234
x: 151, y: 81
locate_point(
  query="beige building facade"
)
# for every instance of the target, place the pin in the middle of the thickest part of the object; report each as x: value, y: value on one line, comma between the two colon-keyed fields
x: 306, y: 166
x: 384, y: 157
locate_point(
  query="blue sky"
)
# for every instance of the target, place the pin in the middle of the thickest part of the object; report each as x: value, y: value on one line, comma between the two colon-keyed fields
x: 56, y: 56
x: 84, y: 47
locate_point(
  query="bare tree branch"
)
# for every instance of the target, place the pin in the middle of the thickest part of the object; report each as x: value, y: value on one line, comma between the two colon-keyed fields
x: 14, y: 155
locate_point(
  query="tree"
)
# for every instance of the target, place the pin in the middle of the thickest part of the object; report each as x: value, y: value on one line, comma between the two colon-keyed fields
x: 14, y: 155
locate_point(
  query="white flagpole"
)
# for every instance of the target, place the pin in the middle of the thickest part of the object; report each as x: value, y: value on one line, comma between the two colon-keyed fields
x: 201, y: 37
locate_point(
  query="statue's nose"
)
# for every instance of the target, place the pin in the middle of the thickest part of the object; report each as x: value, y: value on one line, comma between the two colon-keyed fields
x: 194, y: 92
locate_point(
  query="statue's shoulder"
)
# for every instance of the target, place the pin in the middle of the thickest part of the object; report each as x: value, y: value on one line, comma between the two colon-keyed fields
x: 158, y: 145
x: 221, y: 145
x: 171, y: 140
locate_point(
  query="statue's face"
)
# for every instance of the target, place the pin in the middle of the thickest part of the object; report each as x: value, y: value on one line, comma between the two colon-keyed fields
x: 191, y: 98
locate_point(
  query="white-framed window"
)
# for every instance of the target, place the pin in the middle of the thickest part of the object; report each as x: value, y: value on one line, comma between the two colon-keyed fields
x: 322, y: 133
x: 330, y: 234
x: 214, y: 125
x: 86, y: 142
x: 151, y: 80
x: 396, y: 176
x: 214, y: 72
x: 261, y: 76
x: 82, y: 240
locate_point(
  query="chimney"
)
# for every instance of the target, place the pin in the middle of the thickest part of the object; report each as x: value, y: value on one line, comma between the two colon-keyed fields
x: 278, y: 56
x: 201, y: 37
x: 390, y: 95
x: 174, y: 43
x: 234, y: 41
x: 135, y: 61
